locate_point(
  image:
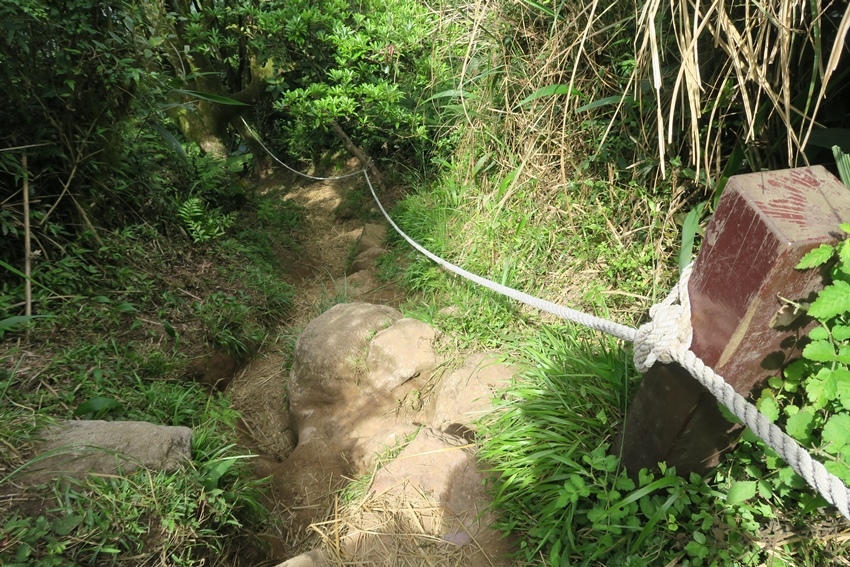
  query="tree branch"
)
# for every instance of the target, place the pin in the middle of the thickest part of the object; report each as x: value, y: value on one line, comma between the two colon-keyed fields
x: 365, y: 161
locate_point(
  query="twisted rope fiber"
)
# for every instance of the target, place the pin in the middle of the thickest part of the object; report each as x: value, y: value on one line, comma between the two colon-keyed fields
x: 665, y: 338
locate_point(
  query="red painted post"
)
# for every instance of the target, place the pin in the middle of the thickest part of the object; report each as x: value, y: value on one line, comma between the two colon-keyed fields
x: 743, y: 276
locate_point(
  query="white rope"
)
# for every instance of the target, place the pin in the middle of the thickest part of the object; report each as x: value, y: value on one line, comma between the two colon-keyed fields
x: 295, y: 171
x: 815, y: 474
x: 665, y: 338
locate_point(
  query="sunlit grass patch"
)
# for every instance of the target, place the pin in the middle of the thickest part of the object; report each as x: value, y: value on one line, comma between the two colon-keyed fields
x: 563, y: 493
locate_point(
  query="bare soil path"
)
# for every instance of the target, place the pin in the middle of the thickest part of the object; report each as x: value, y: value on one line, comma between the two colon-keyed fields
x: 317, y: 271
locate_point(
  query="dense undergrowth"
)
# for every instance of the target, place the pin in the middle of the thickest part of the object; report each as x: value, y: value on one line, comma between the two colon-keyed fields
x: 556, y: 188
x: 128, y: 330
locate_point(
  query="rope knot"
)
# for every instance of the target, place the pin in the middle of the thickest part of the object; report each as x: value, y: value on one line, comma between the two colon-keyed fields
x: 669, y: 328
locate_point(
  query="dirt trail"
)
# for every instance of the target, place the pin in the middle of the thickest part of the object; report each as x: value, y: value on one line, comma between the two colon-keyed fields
x: 317, y: 273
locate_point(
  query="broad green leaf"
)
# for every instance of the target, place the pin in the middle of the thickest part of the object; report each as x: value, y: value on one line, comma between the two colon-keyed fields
x: 842, y: 387
x: 839, y: 332
x: 790, y: 478
x: 551, y: 90
x: 836, y: 432
x: 842, y: 161
x: 96, y: 406
x: 816, y: 257
x: 170, y: 140
x: 169, y: 329
x: 741, y: 491
x: 540, y: 7
x: 608, y: 100
x: 819, y: 334
x: 845, y: 226
x: 830, y: 137
x: 820, y: 351
x: 799, y: 425
x: 844, y: 253
x: 126, y: 307
x: 452, y: 93
x: 839, y: 469
x: 64, y: 526
x: 16, y: 271
x: 796, y: 370
x: 9, y: 322
x: 822, y: 387
x: 831, y: 301
x: 689, y: 230
x: 768, y: 406
x: 215, y: 470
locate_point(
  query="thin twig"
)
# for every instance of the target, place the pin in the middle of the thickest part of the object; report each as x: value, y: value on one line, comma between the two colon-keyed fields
x: 61, y: 195
x: 15, y: 148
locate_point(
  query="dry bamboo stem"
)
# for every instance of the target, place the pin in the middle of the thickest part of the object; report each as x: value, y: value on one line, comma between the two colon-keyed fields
x: 27, y: 246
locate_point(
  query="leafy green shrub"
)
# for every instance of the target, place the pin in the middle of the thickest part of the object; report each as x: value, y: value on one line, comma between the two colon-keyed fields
x: 363, y: 65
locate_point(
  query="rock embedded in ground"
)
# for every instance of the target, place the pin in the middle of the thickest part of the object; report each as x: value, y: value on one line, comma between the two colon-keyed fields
x: 364, y: 286
x: 429, y: 502
x: 440, y: 469
x: 355, y: 371
x: 314, y: 558
x: 79, y: 448
x: 372, y: 236
x: 330, y: 355
x: 431, y: 495
x: 339, y: 417
x: 366, y: 260
x: 465, y: 394
x: 397, y: 354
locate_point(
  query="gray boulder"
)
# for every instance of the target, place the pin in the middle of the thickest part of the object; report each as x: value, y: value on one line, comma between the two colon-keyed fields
x: 79, y: 448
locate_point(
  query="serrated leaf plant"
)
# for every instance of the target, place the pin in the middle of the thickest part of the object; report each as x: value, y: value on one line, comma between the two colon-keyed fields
x: 810, y: 400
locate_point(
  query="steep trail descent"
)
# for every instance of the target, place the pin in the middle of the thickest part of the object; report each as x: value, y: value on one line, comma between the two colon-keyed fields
x: 317, y: 272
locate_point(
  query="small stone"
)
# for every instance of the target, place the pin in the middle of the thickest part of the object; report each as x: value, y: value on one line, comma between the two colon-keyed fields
x: 366, y: 259
x: 372, y: 236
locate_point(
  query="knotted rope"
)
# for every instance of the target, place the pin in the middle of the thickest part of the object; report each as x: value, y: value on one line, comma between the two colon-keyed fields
x: 666, y: 338
x: 670, y: 327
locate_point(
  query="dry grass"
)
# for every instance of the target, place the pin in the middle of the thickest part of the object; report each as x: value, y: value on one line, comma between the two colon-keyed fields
x: 385, y: 529
x: 699, y: 75
x: 656, y: 103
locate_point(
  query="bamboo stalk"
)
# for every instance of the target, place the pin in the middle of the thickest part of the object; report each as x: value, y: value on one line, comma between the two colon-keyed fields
x: 27, y: 244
